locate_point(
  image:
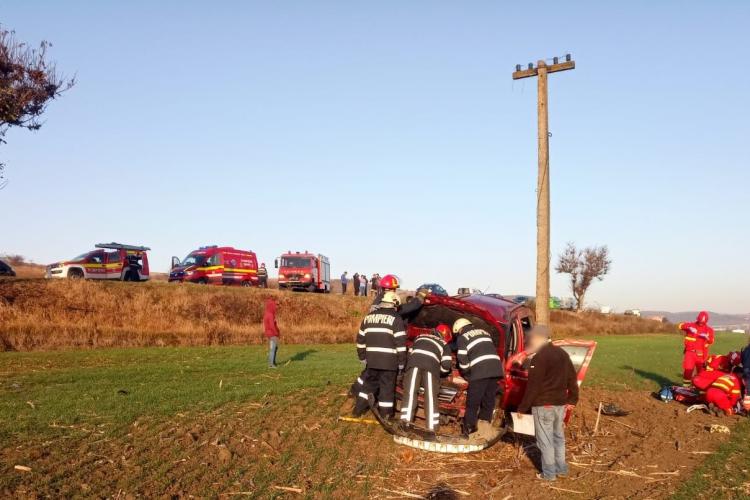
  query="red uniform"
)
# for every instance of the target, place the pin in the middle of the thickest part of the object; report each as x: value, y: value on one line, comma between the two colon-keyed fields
x: 698, y: 337
x: 725, y: 392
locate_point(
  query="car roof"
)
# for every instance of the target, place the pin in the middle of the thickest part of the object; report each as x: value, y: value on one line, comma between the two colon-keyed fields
x: 500, y: 309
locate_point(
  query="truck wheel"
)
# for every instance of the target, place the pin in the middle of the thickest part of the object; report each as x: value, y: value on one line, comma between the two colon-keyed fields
x: 75, y: 274
x: 247, y: 283
x: 202, y: 281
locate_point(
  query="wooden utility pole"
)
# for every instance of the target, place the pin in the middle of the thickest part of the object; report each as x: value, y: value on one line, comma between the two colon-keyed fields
x: 542, y: 184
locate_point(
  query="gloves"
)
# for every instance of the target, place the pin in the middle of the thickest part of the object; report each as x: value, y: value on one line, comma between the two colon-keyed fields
x: 703, y: 336
x: 746, y: 403
x: 400, y: 368
x: 364, y: 363
x: 422, y: 293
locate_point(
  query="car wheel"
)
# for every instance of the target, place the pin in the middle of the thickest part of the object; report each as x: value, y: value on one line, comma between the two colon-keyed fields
x: 75, y: 274
x: 203, y: 281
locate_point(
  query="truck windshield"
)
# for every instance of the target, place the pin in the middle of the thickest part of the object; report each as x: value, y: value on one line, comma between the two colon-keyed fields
x: 193, y: 260
x: 295, y: 262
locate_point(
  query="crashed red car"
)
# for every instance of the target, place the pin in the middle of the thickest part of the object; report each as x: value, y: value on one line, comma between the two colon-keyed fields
x: 508, y: 323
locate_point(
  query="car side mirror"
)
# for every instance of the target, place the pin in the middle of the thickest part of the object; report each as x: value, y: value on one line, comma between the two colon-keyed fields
x: 276, y: 263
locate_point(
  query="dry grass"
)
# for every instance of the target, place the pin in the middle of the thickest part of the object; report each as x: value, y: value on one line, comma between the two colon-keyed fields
x: 36, y: 314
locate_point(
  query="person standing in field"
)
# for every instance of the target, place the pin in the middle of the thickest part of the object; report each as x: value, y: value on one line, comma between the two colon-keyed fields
x: 698, y: 337
x: 263, y: 276
x: 363, y: 285
x: 552, y: 389
x: 374, y: 284
x: 344, y: 282
x: 271, y: 331
x: 355, y: 283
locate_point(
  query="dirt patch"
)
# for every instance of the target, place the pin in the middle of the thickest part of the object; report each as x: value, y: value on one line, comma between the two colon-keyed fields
x: 645, y: 454
x: 295, y: 445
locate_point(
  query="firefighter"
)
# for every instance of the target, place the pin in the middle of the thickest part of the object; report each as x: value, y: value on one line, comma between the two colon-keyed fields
x: 717, y: 365
x: 481, y: 366
x: 263, y: 276
x: 429, y: 359
x: 381, y: 344
x: 724, y: 394
x: 698, y: 337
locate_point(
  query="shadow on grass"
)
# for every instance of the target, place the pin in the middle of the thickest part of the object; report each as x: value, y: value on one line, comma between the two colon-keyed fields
x: 300, y: 356
x: 654, y: 377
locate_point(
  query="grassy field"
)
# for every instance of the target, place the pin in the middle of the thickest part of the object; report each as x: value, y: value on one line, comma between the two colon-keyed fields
x: 146, y: 395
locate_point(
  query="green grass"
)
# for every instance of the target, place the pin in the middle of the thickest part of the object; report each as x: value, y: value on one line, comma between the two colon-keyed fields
x: 40, y: 389
x: 646, y: 361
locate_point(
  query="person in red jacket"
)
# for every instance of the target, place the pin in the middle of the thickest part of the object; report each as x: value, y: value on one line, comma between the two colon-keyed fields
x: 698, y: 337
x: 271, y: 331
x: 724, y: 394
x: 717, y: 366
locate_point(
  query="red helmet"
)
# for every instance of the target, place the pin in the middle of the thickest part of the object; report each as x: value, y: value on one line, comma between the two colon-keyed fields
x: 734, y: 358
x: 390, y: 282
x: 444, y: 331
x: 702, y: 318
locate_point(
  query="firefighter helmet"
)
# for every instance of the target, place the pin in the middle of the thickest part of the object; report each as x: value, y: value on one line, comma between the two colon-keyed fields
x: 459, y: 324
x: 734, y: 358
x: 444, y: 331
x: 391, y: 297
x: 390, y: 282
x: 702, y: 318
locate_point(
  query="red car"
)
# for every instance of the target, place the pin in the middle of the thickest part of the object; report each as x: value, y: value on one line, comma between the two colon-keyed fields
x: 111, y: 261
x: 508, y: 324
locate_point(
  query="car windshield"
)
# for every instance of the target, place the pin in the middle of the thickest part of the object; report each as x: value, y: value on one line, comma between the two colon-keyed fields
x: 193, y: 260
x: 295, y: 261
x: 81, y: 257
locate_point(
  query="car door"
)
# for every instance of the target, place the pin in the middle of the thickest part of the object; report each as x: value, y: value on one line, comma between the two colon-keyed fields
x: 113, y: 265
x: 94, y: 265
x: 516, y: 369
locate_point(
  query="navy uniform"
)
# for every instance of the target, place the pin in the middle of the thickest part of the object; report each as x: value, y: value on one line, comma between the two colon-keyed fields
x: 481, y: 366
x: 429, y: 358
x: 381, y: 343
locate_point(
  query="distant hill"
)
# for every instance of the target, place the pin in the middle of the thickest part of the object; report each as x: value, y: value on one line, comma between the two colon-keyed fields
x: 718, y: 320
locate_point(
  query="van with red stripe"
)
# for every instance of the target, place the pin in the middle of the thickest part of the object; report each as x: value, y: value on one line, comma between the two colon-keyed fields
x: 217, y: 266
x: 110, y: 261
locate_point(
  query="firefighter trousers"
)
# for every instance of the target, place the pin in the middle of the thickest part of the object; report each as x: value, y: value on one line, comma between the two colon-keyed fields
x: 430, y: 382
x: 382, y: 385
x: 480, y: 402
x: 692, y: 361
x: 721, y: 399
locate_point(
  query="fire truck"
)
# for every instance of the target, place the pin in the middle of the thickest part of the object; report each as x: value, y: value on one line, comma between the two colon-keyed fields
x: 217, y: 266
x: 304, y: 271
x: 111, y: 261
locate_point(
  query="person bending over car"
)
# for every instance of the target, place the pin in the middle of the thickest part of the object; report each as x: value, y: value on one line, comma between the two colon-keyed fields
x: 381, y: 345
x: 429, y: 359
x: 552, y: 386
x: 481, y: 366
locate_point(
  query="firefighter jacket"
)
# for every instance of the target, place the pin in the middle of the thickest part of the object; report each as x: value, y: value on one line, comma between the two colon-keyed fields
x: 430, y: 352
x: 477, y: 354
x: 262, y: 272
x: 381, y: 340
x: 697, y: 336
x: 730, y: 384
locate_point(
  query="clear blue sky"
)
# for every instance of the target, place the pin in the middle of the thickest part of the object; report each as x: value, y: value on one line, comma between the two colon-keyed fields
x: 390, y: 136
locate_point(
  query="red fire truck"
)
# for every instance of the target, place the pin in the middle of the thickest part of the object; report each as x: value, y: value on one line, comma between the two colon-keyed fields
x: 216, y: 265
x: 304, y: 271
x: 111, y: 261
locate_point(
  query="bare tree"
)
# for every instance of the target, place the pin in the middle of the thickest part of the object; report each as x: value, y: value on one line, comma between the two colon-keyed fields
x: 28, y: 81
x: 583, y: 266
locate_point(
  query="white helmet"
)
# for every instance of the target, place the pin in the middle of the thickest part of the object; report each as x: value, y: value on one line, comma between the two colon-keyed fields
x: 392, y: 297
x: 459, y: 324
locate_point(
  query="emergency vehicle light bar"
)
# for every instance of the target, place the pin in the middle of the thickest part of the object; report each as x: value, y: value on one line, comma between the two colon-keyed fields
x: 120, y: 246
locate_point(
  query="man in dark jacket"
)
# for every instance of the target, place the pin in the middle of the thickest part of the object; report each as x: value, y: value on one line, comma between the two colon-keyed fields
x: 552, y: 387
x: 429, y: 359
x: 745, y: 356
x: 481, y: 366
x: 381, y: 345
x: 355, y: 283
x: 263, y: 276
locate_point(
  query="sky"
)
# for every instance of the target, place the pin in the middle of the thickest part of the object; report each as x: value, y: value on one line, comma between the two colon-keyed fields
x: 390, y: 136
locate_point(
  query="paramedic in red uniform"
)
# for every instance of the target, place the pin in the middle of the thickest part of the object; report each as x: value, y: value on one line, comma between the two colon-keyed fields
x: 698, y: 337
x: 724, y: 394
x: 717, y: 365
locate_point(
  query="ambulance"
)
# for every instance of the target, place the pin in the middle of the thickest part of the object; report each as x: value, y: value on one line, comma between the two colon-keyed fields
x: 110, y: 261
x: 304, y: 271
x: 216, y: 265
